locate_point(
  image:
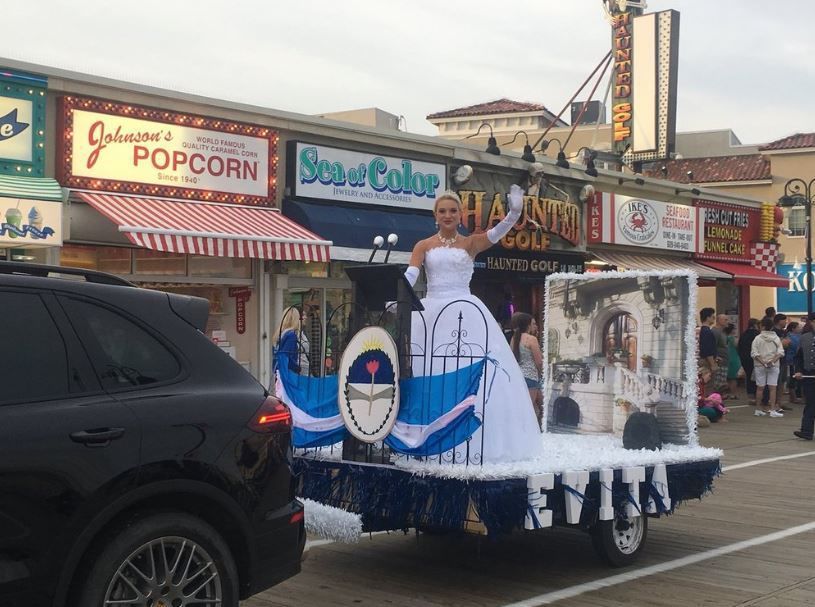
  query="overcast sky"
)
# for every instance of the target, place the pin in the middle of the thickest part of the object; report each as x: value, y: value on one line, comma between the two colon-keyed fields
x: 744, y: 64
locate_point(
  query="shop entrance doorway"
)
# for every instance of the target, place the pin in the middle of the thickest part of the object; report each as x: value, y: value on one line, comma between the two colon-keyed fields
x: 505, y: 298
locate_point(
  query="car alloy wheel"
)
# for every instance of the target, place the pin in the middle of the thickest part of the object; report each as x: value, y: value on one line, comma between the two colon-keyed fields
x: 168, y: 571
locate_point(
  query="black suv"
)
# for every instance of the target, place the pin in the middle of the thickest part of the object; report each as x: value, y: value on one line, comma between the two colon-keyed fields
x: 139, y: 464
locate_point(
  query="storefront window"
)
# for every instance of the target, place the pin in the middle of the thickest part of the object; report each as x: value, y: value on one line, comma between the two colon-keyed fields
x: 160, y: 263
x: 314, y: 269
x: 115, y: 260
x: 336, y: 269
x: 337, y: 315
x: 325, y: 318
x: 37, y: 255
x: 215, y: 295
x: 225, y: 267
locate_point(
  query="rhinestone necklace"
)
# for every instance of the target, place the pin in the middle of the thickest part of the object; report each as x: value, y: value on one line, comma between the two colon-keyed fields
x: 447, y: 242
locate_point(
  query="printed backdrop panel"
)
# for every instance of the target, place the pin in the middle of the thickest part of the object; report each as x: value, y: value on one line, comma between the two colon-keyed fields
x: 617, y: 343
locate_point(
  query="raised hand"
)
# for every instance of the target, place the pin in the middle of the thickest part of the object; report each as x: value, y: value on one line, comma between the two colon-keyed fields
x: 515, y: 198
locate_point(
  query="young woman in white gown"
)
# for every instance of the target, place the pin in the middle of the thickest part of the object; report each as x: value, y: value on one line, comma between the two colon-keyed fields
x: 509, y: 431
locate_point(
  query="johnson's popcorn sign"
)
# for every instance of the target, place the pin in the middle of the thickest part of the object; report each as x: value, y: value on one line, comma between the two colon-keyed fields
x: 129, y: 149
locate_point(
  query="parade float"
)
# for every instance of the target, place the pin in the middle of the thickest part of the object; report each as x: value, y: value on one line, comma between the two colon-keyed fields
x: 391, y: 432
x: 407, y: 419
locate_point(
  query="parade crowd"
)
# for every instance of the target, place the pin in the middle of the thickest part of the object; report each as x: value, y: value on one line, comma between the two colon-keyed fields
x: 775, y: 358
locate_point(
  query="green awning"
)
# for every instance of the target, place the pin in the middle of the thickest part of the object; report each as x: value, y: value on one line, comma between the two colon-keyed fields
x: 33, y: 188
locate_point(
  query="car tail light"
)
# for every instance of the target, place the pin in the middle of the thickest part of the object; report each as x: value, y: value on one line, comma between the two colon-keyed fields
x: 297, y: 517
x: 273, y: 416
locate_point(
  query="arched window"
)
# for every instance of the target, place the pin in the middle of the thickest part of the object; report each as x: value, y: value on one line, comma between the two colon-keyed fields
x: 620, y: 340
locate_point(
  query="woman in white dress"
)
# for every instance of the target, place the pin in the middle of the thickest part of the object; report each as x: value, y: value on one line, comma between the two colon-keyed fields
x: 453, y: 316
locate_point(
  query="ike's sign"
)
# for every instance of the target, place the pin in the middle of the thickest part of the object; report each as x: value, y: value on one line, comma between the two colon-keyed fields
x: 624, y: 220
x: 334, y: 174
x: 131, y: 149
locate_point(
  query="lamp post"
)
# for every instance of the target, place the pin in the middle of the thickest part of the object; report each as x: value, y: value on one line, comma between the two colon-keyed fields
x: 799, y: 193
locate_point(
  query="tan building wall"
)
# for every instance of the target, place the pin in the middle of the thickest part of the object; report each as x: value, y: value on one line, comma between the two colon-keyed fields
x: 372, y: 117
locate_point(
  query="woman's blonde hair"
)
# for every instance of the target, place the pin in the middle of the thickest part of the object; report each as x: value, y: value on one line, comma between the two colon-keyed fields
x: 448, y: 195
x: 290, y: 322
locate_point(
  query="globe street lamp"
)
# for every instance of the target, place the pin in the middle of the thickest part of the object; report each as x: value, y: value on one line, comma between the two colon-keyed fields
x: 799, y: 194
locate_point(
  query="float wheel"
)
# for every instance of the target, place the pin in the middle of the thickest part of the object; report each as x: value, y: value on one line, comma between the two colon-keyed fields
x: 620, y: 541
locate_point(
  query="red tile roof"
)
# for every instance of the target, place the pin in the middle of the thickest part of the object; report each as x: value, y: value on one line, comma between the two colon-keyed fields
x: 799, y: 140
x: 499, y: 106
x: 748, y: 167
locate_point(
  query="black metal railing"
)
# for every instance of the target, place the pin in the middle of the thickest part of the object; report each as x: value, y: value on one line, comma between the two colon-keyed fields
x: 435, y: 351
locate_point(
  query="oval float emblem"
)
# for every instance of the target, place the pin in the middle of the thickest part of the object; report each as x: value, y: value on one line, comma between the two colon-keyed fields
x: 369, y: 384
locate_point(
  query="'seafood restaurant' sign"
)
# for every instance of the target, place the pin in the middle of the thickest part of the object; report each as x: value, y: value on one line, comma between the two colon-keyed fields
x: 616, y: 219
x: 136, y: 150
x: 729, y: 231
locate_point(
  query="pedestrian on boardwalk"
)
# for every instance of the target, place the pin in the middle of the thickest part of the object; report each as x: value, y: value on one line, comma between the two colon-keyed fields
x: 794, y: 341
x: 805, y: 375
x: 769, y: 313
x: 287, y: 340
x: 712, y: 408
x: 767, y: 353
x: 744, y: 347
x: 780, y: 328
x: 527, y: 352
x: 707, y: 346
x: 722, y: 352
x: 733, y: 362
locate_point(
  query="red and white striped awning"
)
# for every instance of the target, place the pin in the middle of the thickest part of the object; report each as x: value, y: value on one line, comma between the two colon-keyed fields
x: 201, y: 228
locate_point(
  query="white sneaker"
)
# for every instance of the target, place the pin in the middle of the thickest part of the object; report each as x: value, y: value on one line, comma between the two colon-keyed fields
x: 759, y: 413
x: 776, y: 414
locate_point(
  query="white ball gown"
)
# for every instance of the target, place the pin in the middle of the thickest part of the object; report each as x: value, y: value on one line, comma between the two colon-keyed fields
x: 456, y: 322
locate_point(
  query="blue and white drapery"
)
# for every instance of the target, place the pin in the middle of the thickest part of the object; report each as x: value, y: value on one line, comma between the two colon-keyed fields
x: 313, y: 403
x: 436, y: 413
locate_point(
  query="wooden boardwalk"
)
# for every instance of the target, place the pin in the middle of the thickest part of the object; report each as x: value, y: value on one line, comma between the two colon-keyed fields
x: 747, y: 503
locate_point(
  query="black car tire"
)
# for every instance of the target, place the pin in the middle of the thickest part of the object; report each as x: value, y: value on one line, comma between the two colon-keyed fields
x: 137, y: 534
x: 619, y: 542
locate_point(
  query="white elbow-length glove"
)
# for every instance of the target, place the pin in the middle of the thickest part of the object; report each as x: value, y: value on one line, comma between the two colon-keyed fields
x: 516, y: 203
x: 412, y: 275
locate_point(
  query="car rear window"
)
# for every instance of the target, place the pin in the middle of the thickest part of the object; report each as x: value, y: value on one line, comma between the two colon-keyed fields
x: 123, y: 353
x: 33, y: 359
